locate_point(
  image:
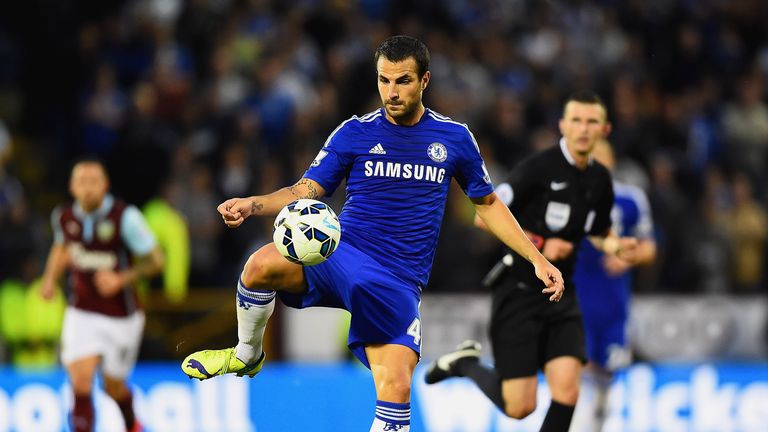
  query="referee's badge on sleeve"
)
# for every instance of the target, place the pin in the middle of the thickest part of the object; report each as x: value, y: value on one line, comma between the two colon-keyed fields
x: 505, y: 193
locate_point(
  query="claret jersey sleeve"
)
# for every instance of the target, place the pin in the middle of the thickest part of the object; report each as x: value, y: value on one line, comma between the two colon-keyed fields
x: 58, y: 234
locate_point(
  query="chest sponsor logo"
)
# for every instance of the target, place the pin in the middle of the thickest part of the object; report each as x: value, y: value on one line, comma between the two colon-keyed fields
x: 437, y: 152
x: 557, y: 215
x: 404, y: 170
x: 558, y: 186
x: 90, y: 260
x: 105, y: 230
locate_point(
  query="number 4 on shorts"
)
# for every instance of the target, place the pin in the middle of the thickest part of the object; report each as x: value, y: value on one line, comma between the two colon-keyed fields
x: 415, y: 330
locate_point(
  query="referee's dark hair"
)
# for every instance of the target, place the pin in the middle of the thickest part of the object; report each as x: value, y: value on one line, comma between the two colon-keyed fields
x: 400, y: 47
x: 586, y: 97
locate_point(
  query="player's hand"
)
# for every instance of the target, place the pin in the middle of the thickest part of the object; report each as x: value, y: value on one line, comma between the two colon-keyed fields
x: 552, y: 278
x: 234, y: 211
x: 628, y: 250
x: 556, y: 249
x: 615, y: 266
x: 108, y: 283
x: 48, y: 289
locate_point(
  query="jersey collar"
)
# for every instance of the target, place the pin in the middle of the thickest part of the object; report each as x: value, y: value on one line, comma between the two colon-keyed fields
x: 104, y: 208
x: 386, y: 121
x: 567, y: 154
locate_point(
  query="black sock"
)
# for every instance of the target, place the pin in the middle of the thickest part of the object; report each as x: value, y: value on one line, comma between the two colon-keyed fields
x: 558, y: 418
x: 486, y: 379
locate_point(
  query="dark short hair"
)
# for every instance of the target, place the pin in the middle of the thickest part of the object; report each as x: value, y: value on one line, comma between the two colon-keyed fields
x: 89, y: 159
x: 399, y: 48
x: 586, y: 97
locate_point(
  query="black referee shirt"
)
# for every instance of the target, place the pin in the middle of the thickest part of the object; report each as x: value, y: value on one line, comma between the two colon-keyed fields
x: 551, y: 197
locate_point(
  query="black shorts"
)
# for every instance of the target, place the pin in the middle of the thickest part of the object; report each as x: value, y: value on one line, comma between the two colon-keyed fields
x: 527, y: 330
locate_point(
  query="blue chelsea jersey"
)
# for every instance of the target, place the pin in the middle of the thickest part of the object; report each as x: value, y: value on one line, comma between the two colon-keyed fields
x: 397, y: 184
x: 631, y: 216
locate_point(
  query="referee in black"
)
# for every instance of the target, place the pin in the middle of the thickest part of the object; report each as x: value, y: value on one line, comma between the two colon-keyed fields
x: 559, y: 196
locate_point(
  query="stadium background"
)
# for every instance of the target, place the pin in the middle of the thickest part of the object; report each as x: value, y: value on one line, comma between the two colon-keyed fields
x: 191, y: 102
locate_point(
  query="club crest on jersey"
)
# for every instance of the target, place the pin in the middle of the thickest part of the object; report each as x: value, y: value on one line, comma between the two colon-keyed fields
x: 105, y: 230
x: 437, y: 152
x: 72, y: 228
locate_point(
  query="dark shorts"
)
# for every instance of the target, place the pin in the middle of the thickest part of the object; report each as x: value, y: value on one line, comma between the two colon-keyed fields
x: 527, y: 330
x: 384, y: 308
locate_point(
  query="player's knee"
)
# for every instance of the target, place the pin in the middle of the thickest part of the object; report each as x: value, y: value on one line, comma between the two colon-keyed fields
x: 394, y: 387
x: 115, y: 390
x: 519, y: 410
x: 398, y: 390
x: 257, y: 273
x: 81, y: 385
x: 566, y: 395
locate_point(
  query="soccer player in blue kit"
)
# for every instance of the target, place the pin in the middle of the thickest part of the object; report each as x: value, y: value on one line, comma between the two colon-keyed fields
x: 604, y: 283
x: 398, y: 162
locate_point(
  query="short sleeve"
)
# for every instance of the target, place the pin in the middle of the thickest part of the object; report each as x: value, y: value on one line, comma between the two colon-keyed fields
x: 472, y: 175
x: 520, y: 184
x: 603, y: 209
x: 58, y: 234
x: 135, y: 232
x: 644, y: 227
x: 330, y: 166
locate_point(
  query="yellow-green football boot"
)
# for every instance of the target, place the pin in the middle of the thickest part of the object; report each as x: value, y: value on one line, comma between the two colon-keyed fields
x: 210, y: 363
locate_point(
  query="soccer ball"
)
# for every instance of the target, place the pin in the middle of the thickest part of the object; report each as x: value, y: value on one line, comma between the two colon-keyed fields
x: 306, y: 232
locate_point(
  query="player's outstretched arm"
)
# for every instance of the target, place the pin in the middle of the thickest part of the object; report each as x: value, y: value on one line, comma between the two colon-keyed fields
x: 235, y: 210
x: 58, y: 258
x: 625, y: 248
x: 623, y: 253
x: 500, y: 222
x: 646, y: 252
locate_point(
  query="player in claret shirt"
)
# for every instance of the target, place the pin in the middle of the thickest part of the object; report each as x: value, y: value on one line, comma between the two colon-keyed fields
x: 398, y: 162
x: 107, y: 246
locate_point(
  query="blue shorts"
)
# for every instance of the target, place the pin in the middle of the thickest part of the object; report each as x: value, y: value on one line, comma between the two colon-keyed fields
x: 602, y: 335
x: 384, y: 308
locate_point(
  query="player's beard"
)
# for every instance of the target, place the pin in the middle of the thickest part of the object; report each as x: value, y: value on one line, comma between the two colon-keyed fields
x: 406, y: 113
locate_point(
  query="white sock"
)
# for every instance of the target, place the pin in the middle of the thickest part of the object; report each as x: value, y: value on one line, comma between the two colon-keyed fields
x: 254, y: 307
x: 392, y: 416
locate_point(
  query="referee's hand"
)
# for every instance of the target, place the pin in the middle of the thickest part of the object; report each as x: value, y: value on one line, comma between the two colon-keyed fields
x: 551, y: 277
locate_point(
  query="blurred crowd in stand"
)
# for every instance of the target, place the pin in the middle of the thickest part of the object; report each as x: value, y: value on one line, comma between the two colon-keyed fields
x: 191, y: 102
